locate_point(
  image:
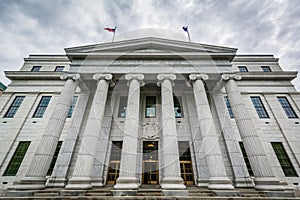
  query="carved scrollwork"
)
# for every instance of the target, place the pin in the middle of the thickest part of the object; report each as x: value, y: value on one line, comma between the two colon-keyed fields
x: 162, y: 77
x: 70, y: 76
x: 107, y: 77
x: 138, y: 77
x: 194, y: 77
x: 226, y: 77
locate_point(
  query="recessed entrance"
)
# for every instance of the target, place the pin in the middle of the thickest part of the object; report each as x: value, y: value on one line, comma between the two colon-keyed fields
x: 186, y: 166
x: 150, y: 163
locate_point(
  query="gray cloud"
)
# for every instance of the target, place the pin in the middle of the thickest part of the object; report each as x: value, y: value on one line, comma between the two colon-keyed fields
x: 35, y: 26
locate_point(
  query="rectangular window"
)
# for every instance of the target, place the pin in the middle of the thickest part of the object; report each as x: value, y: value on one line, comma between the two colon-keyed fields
x: 246, y: 159
x: 36, y: 68
x: 40, y: 110
x: 151, y: 107
x: 266, y: 68
x: 243, y: 69
x: 17, y: 159
x: 177, y: 107
x: 259, y: 107
x: 59, y: 68
x: 289, y: 111
x: 14, y: 107
x: 284, y: 160
x: 72, y: 106
x: 114, y: 163
x: 54, y: 158
x: 122, y: 106
x: 228, y: 107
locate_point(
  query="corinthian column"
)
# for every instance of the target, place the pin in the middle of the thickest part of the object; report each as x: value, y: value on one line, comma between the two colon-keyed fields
x: 128, y: 168
x: 35, y: 177
x: 82, y: 174
x: 264, y: 177
x: 171, y: 177
x: 217, y: 174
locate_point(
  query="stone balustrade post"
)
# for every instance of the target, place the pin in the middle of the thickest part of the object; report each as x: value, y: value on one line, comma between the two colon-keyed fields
x: 264, y: 176
x: 35, y: 177
x: 81, y: 178
x: 128, y: 168
x: 218, y: 178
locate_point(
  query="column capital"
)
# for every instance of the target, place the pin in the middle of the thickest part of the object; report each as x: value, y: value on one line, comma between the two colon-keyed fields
x: 194, y: 77
x: 107, y: 77
x: 226, y: 77
x: 138, y: 77
x: 162, y: 77
x: 70, y: 76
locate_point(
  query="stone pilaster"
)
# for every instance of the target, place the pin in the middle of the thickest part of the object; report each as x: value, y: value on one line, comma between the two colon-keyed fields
x: 241, y: 177
x: 36, y: 175
x: 218, y: 178
x: 171, y: 177
x: 60, y: 171
x: 264, y: 177
x: 81, y: 178
x: 128, y: 168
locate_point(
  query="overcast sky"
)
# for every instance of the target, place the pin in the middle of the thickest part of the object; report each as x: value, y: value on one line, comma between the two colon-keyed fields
x: 49, y: 26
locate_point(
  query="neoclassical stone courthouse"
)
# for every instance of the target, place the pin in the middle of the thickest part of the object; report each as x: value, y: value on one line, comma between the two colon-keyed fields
x: 150, y: 112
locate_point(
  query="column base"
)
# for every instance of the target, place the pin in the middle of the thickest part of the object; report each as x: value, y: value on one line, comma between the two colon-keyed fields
x: 31, y: 183
x: 175, y: 193
x: 172, y: 183
x: 220, y: 183
x: 56, y: 182
x: 79, y: 183
x: 246, y: 182
x: 267, y: 183
x: 127, y: 183
x: 97, y: 182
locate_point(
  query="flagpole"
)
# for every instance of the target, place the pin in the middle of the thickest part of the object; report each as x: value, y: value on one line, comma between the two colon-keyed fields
x: 114, y: 34
x: 189, y: 35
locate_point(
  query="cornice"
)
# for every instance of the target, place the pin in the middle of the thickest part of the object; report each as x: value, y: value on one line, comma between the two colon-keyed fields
x: 283, y: 75
x: 29, y: 75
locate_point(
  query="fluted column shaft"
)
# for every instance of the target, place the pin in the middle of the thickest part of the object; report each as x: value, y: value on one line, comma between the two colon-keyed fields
x: 128, y: 168
x: 218, y: 178
x: 36, y: 175
x: 171, y: 178
x: 81, y: 177
x: 264, y: 177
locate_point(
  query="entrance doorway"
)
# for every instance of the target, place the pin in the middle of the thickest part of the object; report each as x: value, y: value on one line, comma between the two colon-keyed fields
x: 186, y: 166
x: 150, y: 174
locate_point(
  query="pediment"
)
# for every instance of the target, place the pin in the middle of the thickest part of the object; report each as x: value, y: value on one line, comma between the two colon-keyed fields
x: 149, y: 45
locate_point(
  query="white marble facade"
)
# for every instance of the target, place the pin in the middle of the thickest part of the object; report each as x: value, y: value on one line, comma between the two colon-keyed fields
x: 199, y: 75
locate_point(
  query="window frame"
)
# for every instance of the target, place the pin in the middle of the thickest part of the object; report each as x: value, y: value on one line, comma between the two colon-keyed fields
x: 178, y: 99
x: 37, y: 112
x: 72, y: 107
x: 123, y: 100
x: 36, y: 68
x: 17, y: 159
x: 54, y: 158
x: 287, y: 107
x: 13, y: 109
x: 284, y: 160
x: 59, y: 67
x: 259, y: 107
x: 243, y: 68
x: 150, y: 107
x: 266, y: 69
x: 229, y: 109
x: 246, y: 159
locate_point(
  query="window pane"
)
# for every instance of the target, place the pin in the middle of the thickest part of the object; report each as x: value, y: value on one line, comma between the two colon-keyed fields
x: 284, y: 160
x: 289, y: 111
x: 151, y: 107
x: 59, y: 68
x: 14, y: 107
x: 122, y: 106
x: 50, y: 170
x: 228, y: 107
x: 177, y: 107
x: 17, y: 159
x: 72, y: 106
x: 36, y: 68
x: 40, y: 110
x: 246, y: 159
x: 243, y: 69
x: 259, y: 107
x: 266, y: 69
